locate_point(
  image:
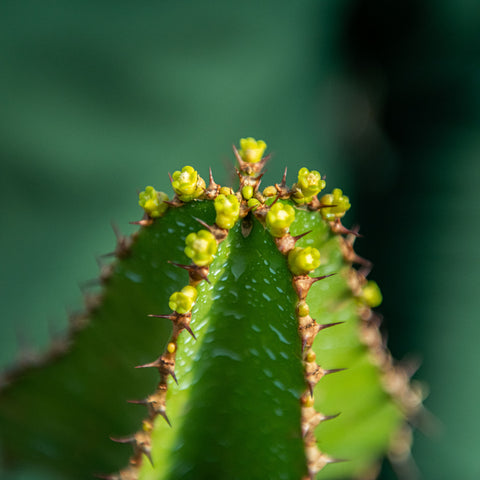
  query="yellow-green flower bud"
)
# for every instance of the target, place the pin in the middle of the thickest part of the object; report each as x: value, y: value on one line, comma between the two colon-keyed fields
x: 228, y: 210
x: 182, y: 302
x: 247, y: 192
x: 309, y: 184
x: 251, y: 150
x: 303, y: 309
x: 226, y: 191
x: 253, y: 203
x: 372, y: 294
x: 303, y: 260
x: 201, y: 247
x: 270, y: 191
x: 187, y: 184
x: 341, y: 202
x: 279, y: 218
x: 153, y: 202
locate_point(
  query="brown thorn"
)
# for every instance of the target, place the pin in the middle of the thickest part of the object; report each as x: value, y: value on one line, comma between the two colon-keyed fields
x: 177, y: 203
x: 172, y: 316
x: 148, y: 454
x: 189, y: 330
x: 123, y: 439
x: 333, y: 370
x: 170, y: 177
x: 298, y: 237
x: 210, y: 176
x: 284, y: 179
x: 330, y: 417
x: 164, y: 415
x: 138, y: 402
x: 144, y: 222
x: 172, y: 373
x: 237, y: 155
x: 328, y: 325
x: 204, y: 224
x: 310, y: 388
x: 277, y: 198
x: 155, y: 364
x: 337, y: 460
x: 194, y: 270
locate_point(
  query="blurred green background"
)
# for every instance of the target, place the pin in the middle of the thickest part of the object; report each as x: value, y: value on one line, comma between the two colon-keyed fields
x: 99, y: 99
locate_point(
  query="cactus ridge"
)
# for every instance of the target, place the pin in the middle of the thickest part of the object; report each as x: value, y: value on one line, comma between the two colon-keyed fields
x: 308, y: 254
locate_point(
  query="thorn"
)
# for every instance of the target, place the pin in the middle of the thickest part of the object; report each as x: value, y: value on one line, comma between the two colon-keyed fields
x: 237, y: 155
x: 277, y: 198
x: 138, y: 402
x: 144, y: 222
x: 148, y: 454
x: 195, y: 271
x: 284, y: 179
x: 298, y: 237
x: 189, y: 330
x: 116, y: 231
x: 316, y: 279
x: 164, y: 415
x: 328, y: 325
x: 330, y: 417
x: 201, y: 222
x: 171, y: 316
x: 337, y: 460
x: 155, y: 364
x: 210, y: 176
x: 173, y: 204
x: 123, y: 439
x: 172, y: 373
x: 310, y: 388
x: 304, y: 344
x: 333, y: 370
x: 170, y: 177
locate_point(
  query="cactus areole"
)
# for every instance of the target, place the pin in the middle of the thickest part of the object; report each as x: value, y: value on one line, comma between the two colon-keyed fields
x: 272, y: 365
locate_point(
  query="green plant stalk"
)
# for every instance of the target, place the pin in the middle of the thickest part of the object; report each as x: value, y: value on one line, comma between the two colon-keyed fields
x: 261, y: 359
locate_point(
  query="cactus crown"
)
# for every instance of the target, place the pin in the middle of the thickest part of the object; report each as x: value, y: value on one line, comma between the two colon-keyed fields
x: 254, y: 387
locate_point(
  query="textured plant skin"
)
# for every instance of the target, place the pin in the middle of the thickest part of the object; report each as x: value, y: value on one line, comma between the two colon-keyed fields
x: 247, y: 306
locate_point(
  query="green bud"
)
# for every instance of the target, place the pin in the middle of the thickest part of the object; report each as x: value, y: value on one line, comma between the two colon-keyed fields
x: 303, y: 309
x: 187, y: 184
x: 253, y: 202
x: 303, y: 260
x: 341, y: 202
x: 182, y: 302
x: 228, y: 210
x: 251, y: 150
x: 201, y: 247
x: 270, y: 191
x: 279, y: 218
x: 309, y: 184
x: 372, y: 294
x: 153, y: 202
x: 247, y: 192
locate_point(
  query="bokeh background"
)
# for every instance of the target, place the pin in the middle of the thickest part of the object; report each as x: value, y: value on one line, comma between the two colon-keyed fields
x: 99, y: 99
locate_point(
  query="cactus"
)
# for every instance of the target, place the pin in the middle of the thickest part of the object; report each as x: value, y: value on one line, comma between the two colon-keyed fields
x: 246, y: 313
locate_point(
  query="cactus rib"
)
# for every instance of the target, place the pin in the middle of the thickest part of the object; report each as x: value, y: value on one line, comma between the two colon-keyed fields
x: 281, y: 370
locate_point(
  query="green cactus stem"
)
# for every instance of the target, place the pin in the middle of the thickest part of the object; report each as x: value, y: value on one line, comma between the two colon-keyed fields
x: 257, y: 352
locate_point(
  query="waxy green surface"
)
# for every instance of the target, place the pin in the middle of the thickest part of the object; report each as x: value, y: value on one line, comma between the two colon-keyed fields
x: 236, y: 411
x: 61, y: 416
